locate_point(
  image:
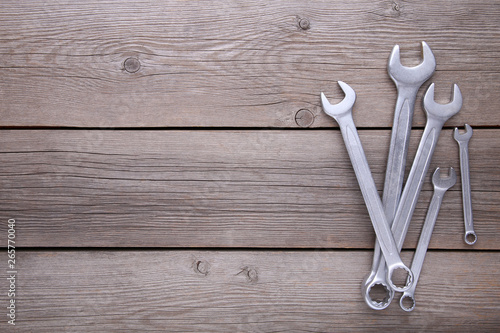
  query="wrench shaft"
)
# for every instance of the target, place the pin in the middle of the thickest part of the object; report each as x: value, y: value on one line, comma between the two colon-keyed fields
x: 425, y: 236
x: 466, y: 191
x: 369, y: 190
x: 415, y: 180
x: 398, y: 149
x: 396, y: 162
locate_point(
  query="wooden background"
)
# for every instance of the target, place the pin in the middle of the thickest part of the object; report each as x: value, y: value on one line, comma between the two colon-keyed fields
x: 170, y: 169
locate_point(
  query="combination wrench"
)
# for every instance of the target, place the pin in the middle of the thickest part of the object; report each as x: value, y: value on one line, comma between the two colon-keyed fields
x: 437, y: 115
x: 463, y: 143
x: 441, y: 185
x: 342, y: 113
x: 408, y: 81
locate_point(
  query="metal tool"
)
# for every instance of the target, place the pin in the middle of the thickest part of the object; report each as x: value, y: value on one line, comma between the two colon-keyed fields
x: 408, y: 80
x: 437, y: 114
x: 441, y: 185
x: 463, y: 143
x: 342, y: 113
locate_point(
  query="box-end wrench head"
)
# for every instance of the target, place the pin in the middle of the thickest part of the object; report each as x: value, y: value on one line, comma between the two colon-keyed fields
x: 342, y: 113
x: 463, y: 143
x: 441, y: 185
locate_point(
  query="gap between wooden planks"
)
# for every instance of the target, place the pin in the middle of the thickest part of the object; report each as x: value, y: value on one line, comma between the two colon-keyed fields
x: 202, y: 188
x: 236, y: 64
x: 250, y: 291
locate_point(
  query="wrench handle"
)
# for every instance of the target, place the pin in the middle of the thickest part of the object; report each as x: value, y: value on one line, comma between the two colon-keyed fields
x: 425, y: 236
x: 393, y: 183
x: 396, y: 163
x: 371, y: 198
x: 423, y: 245
x: 466, y: 191
x: 415, y: 181
x: 398, y: 149
x: 368, y: 188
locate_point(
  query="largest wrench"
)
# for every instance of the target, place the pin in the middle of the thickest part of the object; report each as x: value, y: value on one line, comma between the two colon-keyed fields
x: 408, y: 81
x: 437, y: 115
x: 342, y: 113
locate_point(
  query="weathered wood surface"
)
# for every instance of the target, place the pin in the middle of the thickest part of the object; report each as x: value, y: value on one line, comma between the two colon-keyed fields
x: 235, y: 63
x: 138, y: 65
x: 207, y: 188
x: 270, y: 291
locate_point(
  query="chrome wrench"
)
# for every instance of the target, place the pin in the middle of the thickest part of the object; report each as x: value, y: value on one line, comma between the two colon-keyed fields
x: 437, y: 114
x: 342, y: 113
x: 408, y: 81
x: 463, y: 143
x: 441, y: 185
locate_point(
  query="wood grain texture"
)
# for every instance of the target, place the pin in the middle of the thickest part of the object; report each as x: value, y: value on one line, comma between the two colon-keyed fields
x: 270, y: 291
x: 235, y: 63
x: 207, y: 188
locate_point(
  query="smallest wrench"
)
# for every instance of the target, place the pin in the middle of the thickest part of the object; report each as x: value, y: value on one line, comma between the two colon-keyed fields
x: 441, y: 185
x: 463, y: 143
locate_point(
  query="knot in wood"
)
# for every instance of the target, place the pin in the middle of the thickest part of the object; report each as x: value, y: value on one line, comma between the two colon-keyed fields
x: 252, y: 274
x: 202, y: 267
x: 131, y: 65
x: 304, y: 24
x: 304, y: 118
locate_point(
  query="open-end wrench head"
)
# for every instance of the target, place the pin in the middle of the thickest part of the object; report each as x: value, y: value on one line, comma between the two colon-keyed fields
x: 465, y: 137
x: 411, y: 75
x: 444, y: 182
x: 442, y: 111
x: 345, y: 106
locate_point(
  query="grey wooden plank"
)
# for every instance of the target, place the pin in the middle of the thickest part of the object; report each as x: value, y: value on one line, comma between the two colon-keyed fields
x: 270, y: 291
x: 233, y: 63
x: 203, y: 188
